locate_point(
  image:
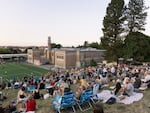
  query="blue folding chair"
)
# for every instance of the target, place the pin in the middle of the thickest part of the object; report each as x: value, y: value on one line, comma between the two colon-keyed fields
x: 31, y: 88
x: 85, y: 98
x: 36, y: 79
x: 67, y: 101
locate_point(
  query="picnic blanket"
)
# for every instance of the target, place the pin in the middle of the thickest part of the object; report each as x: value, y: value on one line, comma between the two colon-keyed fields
x: 106, y: 94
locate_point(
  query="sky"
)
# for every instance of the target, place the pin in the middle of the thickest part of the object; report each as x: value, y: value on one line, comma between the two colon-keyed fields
x: 67, y: 22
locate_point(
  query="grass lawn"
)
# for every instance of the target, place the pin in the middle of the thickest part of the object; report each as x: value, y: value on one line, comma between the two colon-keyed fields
x: 19, y: 70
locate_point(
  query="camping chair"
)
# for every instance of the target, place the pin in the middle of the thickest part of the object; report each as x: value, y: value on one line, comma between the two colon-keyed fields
x: 36, y: 79
x: 67, y: 101
x: 85, y: 98
x: 31, y: 88
x: 94, y: 97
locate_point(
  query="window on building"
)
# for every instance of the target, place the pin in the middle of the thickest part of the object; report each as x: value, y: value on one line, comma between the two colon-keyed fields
x: 60, y: 57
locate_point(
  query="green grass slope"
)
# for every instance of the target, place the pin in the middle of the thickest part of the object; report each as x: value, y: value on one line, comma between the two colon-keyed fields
x: 18, y: 70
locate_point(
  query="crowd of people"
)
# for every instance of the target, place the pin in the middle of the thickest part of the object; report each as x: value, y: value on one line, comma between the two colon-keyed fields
x: 127, y: 79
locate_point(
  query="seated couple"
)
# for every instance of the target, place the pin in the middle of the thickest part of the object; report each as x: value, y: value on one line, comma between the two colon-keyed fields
x: 29, y: 106
x: 126, y: 90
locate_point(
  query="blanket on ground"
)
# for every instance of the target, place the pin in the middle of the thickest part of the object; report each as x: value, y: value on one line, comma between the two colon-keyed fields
x: 106, y: 94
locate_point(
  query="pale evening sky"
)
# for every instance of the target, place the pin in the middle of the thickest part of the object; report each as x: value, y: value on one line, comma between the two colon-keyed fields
x: 68, y: 22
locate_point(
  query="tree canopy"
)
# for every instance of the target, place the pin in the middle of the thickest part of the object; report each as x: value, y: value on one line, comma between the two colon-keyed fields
x: 113, y: 28
x: 136, y: 15
x: 137, y: 46
x: 10, y: 51
x: 129, y: 20
x: 114, y: 19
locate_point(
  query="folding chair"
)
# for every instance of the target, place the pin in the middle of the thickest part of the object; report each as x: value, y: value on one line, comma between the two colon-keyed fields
x: 36, y: 79
x: 85, y: 98
x: 67, y: 101
x: 94, y: 97
x: 31, y: 88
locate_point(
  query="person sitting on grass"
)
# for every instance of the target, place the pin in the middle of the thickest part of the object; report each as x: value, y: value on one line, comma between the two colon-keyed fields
x: 22, y: 96
x: 137, y: 83
x: 42, y: 85
x: 11, y: 107
x: 118, y: 91
x: 30, y: 105
x: 83, y: 82
x: 128, y: 87
x: 16, y: 84
x: 80, y: 90
x: 56, y: 91
x: 63, y: 85
x: 36, y: 93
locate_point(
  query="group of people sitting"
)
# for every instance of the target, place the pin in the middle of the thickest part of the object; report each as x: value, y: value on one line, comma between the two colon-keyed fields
x: 130, y: 79
x: 25, y: 103
x: 125, y: 89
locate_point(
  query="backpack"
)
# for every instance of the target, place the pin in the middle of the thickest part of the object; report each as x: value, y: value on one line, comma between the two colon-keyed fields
x: 111, y: 100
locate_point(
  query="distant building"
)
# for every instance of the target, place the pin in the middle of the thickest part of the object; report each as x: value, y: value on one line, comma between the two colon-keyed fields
x: 37, y: 57
x: 13, y: 57
x: 65, y: 57
x: 69, y: 58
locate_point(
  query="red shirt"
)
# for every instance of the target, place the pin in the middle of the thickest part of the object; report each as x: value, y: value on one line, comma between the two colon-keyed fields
x: 31, y: 105
x: 52, y: 83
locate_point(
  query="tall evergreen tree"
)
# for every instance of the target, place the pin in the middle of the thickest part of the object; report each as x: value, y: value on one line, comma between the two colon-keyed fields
x: 113, y: 21
x: 113, y: 27
x: 136, y: 15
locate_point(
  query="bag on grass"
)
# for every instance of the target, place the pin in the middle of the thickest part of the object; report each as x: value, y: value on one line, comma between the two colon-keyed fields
x: 111, y: 100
